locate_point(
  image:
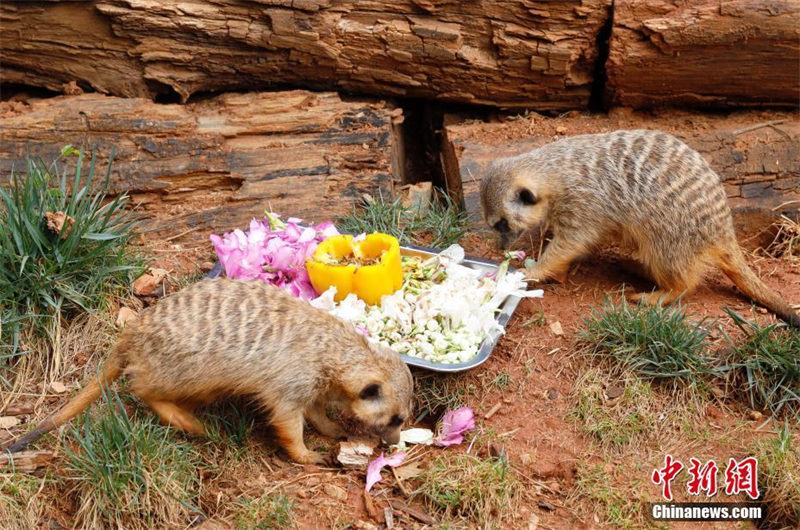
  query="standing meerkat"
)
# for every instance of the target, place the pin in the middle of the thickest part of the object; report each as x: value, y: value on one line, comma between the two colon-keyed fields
x: 222, y: 337
x: 645, y: 189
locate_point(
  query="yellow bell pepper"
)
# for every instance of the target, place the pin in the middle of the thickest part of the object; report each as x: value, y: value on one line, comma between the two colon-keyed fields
x: 368, y: 282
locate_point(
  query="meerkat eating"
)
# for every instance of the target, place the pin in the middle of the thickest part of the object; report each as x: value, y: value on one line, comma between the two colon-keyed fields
x: 219, y: 338
x: 645, y: 189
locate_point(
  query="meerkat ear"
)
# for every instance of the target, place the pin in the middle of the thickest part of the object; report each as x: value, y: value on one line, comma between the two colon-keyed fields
x: 371, y: 391
x: 526, y: 197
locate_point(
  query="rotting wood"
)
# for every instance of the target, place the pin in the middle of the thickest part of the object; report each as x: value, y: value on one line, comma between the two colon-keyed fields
x: 705, y: 53
x: 510, y: 53
x: 219, y: 162
x: 24, y: 461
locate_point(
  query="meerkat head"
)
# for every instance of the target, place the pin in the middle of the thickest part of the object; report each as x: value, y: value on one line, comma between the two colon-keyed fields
x: 514, y: 199
x: 380, y: 395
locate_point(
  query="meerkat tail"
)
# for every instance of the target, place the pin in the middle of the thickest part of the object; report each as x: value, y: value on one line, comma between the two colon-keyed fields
x: 733, y: 264
x: 111, y: 370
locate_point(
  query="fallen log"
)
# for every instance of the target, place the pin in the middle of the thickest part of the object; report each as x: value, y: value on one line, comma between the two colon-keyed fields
x: 24, y: 461
x: 507, y: 53
x: 709, y: 53
x: 218, y: 162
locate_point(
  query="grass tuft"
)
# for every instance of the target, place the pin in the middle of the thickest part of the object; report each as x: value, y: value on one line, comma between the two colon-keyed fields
x: 765, y: 368
x: 786, y: 244
x: 483, y: 491
x: 779, y: 478
x: 266, y: 512
x: 616, y: 508
x: 434, y: 394
x: 131, y: 473
x: 615, y: 411
x: 48, y: 275
x: 443, y: 225
x: 653, y: 341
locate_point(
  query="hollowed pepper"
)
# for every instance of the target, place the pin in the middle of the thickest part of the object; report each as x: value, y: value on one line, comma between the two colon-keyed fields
x: 335, y: 263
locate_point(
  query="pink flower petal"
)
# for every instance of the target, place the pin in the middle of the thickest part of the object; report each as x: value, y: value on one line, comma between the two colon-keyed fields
x: 374, y: 468
x: 454, y: 424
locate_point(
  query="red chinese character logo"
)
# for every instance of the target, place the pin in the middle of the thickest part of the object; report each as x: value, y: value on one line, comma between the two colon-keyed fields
x: 742, y: 477
x: 703, y: 478
x: 666, y: 474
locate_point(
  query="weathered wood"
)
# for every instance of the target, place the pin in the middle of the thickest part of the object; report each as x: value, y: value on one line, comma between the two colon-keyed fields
x: 24, y: 461
x: 705, y: 53
x: 760, y: 167
x: 507, y: 53
x: 219, y: 162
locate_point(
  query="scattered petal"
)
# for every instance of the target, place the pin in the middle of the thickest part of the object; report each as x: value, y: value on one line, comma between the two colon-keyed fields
x: 515, y: 254
x: 454, y: 424
x: 374, y: 468
x: 417, y: 436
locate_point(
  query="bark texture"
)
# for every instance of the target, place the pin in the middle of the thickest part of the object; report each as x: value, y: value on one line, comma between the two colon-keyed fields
x: 221, y: 161
x: 705, y: 53
x: 506, y: 53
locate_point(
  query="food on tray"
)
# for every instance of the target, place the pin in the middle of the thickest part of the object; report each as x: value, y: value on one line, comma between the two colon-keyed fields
x: 430, y: 308
x: 367, y: 266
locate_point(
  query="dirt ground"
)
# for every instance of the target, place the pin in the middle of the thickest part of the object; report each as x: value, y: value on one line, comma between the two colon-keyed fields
x: 533, y: 379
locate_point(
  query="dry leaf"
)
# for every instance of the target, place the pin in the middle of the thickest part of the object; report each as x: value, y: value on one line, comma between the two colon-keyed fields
x: 56, y: 221
x: 6, y: 422
x: 147, y: 283
x: 58, y: 387
x: 125, y: 315
x: 409, y: 471
x: 335, y: 492
x: 556, y: 328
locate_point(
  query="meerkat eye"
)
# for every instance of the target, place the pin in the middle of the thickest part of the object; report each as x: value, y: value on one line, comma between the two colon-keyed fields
x: 526, y: 197
x: 371, y: 391
x: 396, y: 421
x: 502, y: 226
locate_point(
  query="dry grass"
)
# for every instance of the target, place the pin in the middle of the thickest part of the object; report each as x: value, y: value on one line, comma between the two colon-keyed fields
x: 779, y: 477
x: 609, y: 504
x: 21, y: 502
x: 786, y: 244
x: 482, y: 492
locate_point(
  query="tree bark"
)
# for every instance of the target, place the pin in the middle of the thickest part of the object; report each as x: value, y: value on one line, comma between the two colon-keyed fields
x: 219, y: 162
x: 509, y: 53
x: 721, y: 53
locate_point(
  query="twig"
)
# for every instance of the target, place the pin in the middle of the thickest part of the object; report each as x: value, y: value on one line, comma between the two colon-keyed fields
x: 176, y: 236
x: 758, y: 126
x: 413, y: 512
x: 492, y: 411
x: 400, y: 483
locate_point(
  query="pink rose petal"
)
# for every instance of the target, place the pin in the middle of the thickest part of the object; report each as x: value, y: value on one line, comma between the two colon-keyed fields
x: 374, y: 468
x: 454, y: 424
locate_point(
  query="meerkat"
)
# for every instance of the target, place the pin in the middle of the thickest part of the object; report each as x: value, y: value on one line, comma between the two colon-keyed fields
x: 223, y: 337
x: 645, y: 189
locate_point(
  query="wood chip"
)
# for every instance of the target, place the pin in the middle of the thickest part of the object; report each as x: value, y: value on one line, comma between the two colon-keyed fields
x: 355, y: 453
x: 389, y: 516
x: 556, y: 328
x: 25, y: 461
x: 18, y: 409
x: 492, y: 411
x: 6, y: 422
x: 417, y: 514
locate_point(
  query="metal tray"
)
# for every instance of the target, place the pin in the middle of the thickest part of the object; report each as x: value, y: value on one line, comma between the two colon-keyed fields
x: 507, y: 309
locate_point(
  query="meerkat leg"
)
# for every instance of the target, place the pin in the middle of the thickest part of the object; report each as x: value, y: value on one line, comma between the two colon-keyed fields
x: 177, y: 416
x: 673, y: 283
x: 556, y: 259
x: 288, y: 424
x: 317, y: 416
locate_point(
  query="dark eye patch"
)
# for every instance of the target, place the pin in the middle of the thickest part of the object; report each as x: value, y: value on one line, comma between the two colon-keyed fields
x: 396, y: 421
x: 502, y: 226
x: 371, y: 391
x: 526, y: 197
